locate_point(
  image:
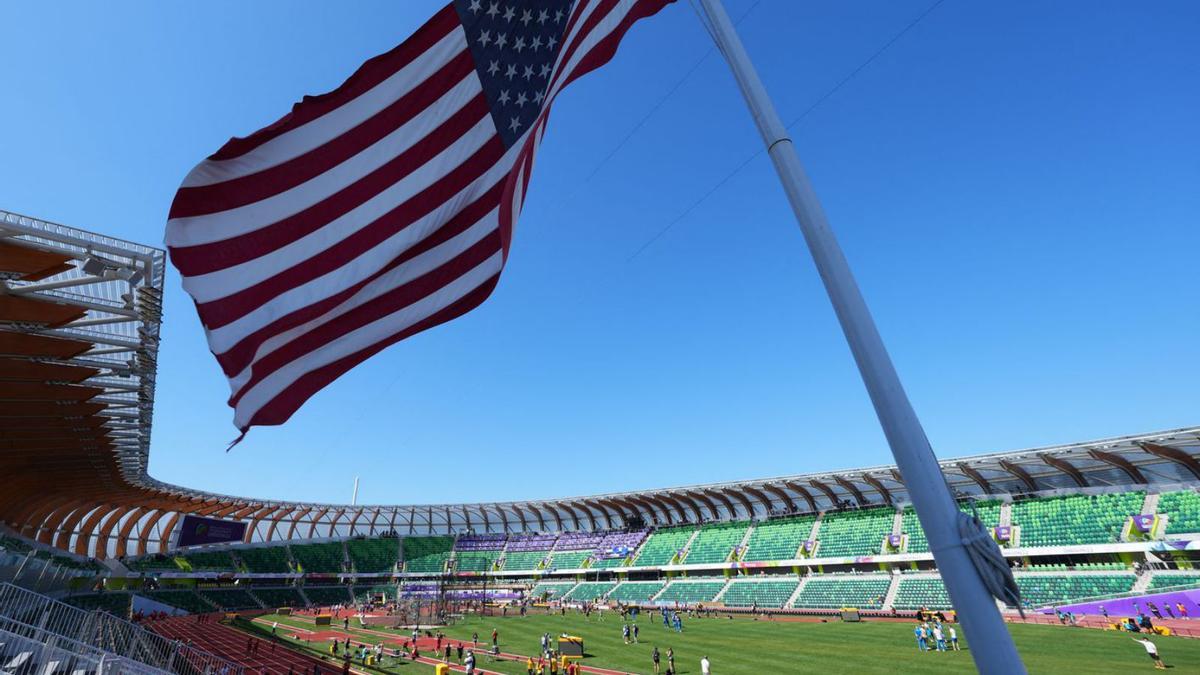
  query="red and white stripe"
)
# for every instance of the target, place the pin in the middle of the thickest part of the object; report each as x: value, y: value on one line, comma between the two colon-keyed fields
x: 366, y: 215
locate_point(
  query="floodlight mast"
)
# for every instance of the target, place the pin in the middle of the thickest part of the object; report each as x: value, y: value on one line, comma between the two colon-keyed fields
x: 991, y: 644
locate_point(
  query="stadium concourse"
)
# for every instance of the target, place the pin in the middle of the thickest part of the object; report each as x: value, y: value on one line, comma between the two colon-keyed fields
x: 1097, y: 531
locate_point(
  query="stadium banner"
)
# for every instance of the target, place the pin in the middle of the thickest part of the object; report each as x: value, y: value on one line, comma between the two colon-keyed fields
x: 1143, y: 522
x: 198, y: 530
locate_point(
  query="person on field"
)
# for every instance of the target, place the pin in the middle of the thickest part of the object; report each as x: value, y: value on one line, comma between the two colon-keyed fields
x: 635, y: 633
x: 705, y: 666
x: 1152, y: 651
x: 529, y: 665
x: 939, y: 638
x: 953, y: 639
x: 919, y: 631
x: 625, y: 633
x: 654, y: 657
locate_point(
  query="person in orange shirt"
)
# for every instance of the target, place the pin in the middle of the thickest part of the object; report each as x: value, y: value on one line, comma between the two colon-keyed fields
x: 529, y: 665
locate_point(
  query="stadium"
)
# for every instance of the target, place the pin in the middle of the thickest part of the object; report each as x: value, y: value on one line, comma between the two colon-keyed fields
x: 104, y: 564
x: 562, y: 469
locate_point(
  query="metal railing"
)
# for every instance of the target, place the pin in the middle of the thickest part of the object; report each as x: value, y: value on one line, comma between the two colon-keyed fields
x: 25, y: 649
x: 47, y: 621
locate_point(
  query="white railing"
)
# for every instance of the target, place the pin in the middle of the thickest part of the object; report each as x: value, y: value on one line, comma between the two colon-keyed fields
x: 40, y: 619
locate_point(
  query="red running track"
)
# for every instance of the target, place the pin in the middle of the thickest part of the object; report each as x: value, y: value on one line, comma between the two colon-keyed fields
x: 230, y: 643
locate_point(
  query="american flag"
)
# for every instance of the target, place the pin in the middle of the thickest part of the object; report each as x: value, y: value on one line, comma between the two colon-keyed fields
x: 384, y: 207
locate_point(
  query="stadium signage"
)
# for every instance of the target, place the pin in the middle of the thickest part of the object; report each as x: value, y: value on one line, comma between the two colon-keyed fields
x: 198, y: 530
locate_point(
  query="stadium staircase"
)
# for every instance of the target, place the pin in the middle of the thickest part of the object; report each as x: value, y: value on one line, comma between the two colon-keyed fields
x: 721, y: 594
x: 662, y: 546
x: 791, y: 601
x: 898, y: 522
x: 304, y: 596
x: 687, y: 548
x: 1005, y: 515
x: 1150, y: 506
x: 1142, y: 584
x: 889, y: 598
x: 813, y: 536
x: 745, y: 542
x: 257, y: 599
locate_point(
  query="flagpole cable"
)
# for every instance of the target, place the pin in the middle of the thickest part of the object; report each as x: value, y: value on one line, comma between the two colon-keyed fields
x: 992, y: 645
x: 807, y: 111
x: 687, y: 75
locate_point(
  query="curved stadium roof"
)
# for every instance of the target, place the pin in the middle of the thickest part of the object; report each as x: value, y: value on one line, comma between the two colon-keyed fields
x: 79, y: 325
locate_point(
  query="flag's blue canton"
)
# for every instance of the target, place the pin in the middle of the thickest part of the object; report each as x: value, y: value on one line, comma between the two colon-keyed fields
x: 514, y: 44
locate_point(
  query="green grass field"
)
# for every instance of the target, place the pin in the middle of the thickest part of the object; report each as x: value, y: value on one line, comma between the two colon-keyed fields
x: 747, y: 647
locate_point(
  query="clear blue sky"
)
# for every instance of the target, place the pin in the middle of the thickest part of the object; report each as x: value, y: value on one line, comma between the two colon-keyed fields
x: 1017, y: 186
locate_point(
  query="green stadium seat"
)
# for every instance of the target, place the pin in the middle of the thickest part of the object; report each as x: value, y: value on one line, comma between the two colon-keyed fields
x: 551, y: 590
x: 117, y: 604
x: 864, y: 591
x: 921, y: 592
x: 210, y: 561
x: 427, y: 554
x: 265, y: 559
x: 374, y: 556
x: 662, y: 546
x: 1075, y: 519
x: 1182, y: 509
x: 327, y: 595
x: 589, y: 591
x: 778, y: 539
x: 324, y: 558
x: 854, y: 533
x: 14, y: 545
x: 230, y: 598
x: 1161, y: 581
x: 569, y: 560
x: 988, y: 512
x: 71, y: 563
x: 773, y: 593
x: 475, y: 561
x: 715, y: 542
x: 1039, y: 590
x: 523, y: 560
x: 630, y: 592
x: 690, y: 592
x: 153, y: 563
x: 280, y: 597
x: 183, y: 599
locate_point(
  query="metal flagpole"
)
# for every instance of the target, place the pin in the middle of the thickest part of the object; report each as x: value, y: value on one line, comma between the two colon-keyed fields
x: 991, y: 645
